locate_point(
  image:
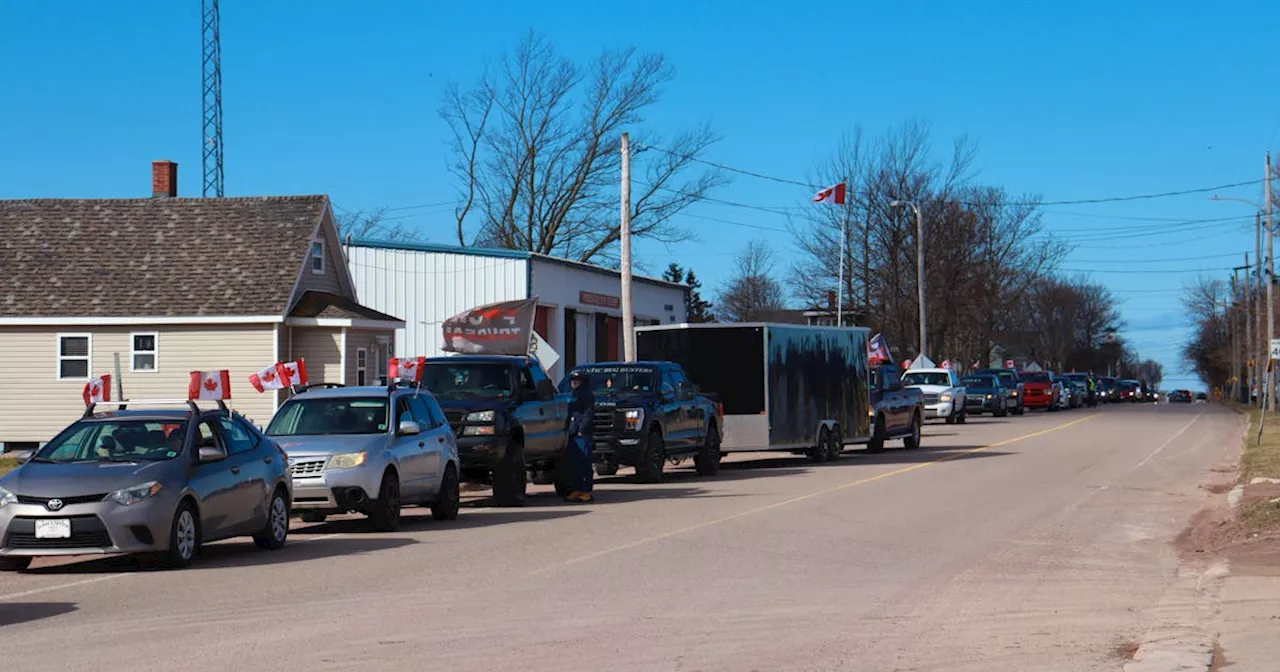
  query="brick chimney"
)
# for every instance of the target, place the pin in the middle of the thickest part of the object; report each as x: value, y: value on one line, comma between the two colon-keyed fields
x: 164, y: 179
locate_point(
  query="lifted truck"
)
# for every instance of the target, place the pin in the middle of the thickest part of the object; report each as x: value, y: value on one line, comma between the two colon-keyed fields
x: 898, y: 411
x: 508, y: 421
x: 648, y: 413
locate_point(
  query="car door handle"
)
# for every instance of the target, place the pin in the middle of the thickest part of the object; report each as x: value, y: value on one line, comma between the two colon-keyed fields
x: 422, y: 444
x: 267, y: 460
x: 439, y: 439
x: 235, y: 470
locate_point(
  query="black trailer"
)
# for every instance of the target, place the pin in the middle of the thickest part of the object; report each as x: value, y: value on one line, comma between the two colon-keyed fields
x: 783, y: 387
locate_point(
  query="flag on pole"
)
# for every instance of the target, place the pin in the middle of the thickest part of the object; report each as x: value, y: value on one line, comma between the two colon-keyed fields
x: 271, y: 378
x: 98, y: 389
x: 946, y: 364
x: 209, y: 385
x: 833, y: 194
x: 407, y: 368
x: 878, y: 350
x: 295, y: 373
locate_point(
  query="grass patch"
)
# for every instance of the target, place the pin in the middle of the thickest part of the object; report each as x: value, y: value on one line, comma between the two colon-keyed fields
x: 7, y: 464
x: 1261, y: 459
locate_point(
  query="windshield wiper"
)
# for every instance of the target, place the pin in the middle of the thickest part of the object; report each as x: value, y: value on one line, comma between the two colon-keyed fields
x: 118, y: 459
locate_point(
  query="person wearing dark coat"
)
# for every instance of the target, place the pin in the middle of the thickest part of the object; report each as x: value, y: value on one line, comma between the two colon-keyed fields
x: 582, y: 407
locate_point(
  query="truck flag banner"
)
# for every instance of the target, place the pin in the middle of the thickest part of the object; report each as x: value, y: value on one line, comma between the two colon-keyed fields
x: 878, y: 352
x: 407, y: 368
x: 209, y: 385
x: 504, y: 328
x: 98, y: 389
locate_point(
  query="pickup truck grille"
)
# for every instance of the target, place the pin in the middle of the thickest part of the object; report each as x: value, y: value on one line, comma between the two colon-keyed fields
x: 603, y: 421
x: 455, y: 420
x: 931, y: 398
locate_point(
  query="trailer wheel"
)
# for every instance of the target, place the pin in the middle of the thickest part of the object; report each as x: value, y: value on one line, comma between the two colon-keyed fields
x: 876, y: 444
x: 653, y: 458
x: 818, y: 453
x: 835, y: 445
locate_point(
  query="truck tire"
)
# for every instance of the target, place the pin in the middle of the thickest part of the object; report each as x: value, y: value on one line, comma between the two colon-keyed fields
x: 707, y: 461
x: 653, y: 459
x: 1003, y: 412
x: 912, y: 440
x: 876, y: 444
x: 818, y: 453
x: 1020, y: 408
x: 951, y: 419
x: 835, y: 445
x: 449, y: 499
x: 510, y: 479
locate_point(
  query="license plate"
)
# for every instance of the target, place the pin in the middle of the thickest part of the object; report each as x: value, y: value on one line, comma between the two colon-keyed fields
x: 54, y: 528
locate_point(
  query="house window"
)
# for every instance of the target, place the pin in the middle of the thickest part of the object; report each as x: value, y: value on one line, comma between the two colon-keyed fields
x: 362, y: 365
x: 317, y: 257
x: 143, y: 354
x: 73, y: 356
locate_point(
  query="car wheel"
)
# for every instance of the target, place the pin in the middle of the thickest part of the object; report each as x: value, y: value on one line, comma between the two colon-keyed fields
x: 510, y: 479
x: 912, y: 440
x: 818, y: 453
x: 964, y: 417
x: 1019, y: 409
x: 277, y: 529
x: 835, y: 445
x: 449, y: 500
x: 876, y: 444
x: 1002, y: 413
x: 951, y: 419
x: 311, y: 517
x: 653, y: 459
x: 385, y: 513
x: 707, y: 461
x: 184, y: 537
x: 15, y: 563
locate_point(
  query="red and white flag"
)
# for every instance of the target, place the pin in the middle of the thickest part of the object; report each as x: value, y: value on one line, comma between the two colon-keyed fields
x: 295, y: 372
x: 98, y: 389
x: 946, y: 364
x: 209, y: 385
x: 878, y: 350
x: 273, y: 377
x: 834, y: 194
x: 407, y: 368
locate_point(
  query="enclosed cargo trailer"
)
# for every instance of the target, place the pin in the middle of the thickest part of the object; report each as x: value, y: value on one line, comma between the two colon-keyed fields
x: 783, y: 387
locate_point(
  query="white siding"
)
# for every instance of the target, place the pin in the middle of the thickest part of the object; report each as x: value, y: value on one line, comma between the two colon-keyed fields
x: 561, y: 284
x: 424, y: 288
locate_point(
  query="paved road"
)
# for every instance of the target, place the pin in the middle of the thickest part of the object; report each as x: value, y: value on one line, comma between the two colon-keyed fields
x: 1034, y: 543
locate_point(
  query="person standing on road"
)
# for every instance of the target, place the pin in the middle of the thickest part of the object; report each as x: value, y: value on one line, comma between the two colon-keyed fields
x: 1093, y: 390
x: 582, y: 408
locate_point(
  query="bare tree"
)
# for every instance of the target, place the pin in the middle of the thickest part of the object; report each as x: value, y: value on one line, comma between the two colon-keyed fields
x: 374, y: 224
x: 753, y: 294
x: 536, y: 153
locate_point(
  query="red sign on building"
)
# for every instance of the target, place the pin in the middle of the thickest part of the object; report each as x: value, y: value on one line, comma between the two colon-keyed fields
x: 602, y: 300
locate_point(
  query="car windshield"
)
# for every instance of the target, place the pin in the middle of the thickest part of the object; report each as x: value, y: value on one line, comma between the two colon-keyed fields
x: 1035, y: 377
x: 116, y: 440
x: 330, y: 415
x: 606, y: 380
x: 1128, y: 385
x: 926, y: 378
x: 458, y: 380
x: 979, y: 381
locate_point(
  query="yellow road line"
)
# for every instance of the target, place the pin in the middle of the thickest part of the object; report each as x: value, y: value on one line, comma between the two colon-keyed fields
x: 800, y: 498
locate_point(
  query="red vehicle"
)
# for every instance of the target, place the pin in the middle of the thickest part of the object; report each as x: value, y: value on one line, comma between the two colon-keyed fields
x: 1039, y: 390
x: 1129, y: 390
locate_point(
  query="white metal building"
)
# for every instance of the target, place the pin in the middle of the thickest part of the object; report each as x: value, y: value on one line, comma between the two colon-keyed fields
x: 579, y: 305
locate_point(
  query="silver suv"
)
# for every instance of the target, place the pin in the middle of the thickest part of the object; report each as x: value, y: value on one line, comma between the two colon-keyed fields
x: 145, y: 480
x: 368, y: 450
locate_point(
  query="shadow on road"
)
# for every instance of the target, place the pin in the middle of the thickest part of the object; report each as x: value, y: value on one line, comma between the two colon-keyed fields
x: 12, y: 613
x: 856, y: 458
x: 237, y: 553
x: 415, y: 520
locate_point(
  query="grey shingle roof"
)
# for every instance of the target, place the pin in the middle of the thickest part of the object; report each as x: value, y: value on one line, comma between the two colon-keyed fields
x: 153, y: 257
x: 314, y: 303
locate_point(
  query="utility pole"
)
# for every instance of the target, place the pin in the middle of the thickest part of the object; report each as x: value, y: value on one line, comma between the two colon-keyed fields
x: 628, y: 310
x: 844, y: 243
x: 1271, y: 278
x: 1232, y: 336
x: 1252, y: 370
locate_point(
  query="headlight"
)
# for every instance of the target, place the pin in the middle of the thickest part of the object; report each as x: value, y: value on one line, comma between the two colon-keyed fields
x: 482, y: 416
x: 990, y: 396
x: 481, y: 430
x: 346, y: 460
x: 135, y: 494
x: 7, y: 497
x: 634, y: 419
x: 1014, y: 393
x: 946, y: 396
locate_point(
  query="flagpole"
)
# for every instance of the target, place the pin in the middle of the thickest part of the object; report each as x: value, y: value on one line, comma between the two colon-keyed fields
x: 844, y: 239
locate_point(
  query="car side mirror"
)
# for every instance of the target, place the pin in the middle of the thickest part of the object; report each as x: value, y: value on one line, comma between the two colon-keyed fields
x: 408, y: 428
x: 212, y: 454
x: 546, y: 390
x: 22, y: 456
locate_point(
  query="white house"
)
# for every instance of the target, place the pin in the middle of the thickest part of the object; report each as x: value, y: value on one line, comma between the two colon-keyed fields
x: 579, y: 305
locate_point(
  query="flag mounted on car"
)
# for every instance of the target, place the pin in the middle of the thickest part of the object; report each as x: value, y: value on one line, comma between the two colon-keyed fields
x: 209, y: 385
x: 97, y: 390
x: 271, y: 378
x: 407, y: 368
x: 504, y: 328
x: 834, y: 194
x: 295, y: 372
x: 878, y: 350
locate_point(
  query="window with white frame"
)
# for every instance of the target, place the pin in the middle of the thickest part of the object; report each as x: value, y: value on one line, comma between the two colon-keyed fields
x: 317, y: 257
x: 362, y: 366
x: 74, y: 356
x: 143, y: 353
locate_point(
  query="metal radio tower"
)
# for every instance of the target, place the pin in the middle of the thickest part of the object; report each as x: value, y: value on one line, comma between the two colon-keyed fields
x: 213, y: 184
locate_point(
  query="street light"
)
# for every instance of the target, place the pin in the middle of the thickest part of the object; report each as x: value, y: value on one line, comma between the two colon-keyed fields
x: 896, y: 203
x: 1264, y: 354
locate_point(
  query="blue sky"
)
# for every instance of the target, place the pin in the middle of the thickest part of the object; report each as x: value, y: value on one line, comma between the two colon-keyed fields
x: 1098, y: 99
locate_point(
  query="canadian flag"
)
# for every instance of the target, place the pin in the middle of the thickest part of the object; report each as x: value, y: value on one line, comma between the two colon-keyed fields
x: 295, y: 373
x: 209, y: 385
x: 407, y: 368
x: 271, y: 378
x: 98, y: 389
x: 946, y: 364
x: 834, y: 194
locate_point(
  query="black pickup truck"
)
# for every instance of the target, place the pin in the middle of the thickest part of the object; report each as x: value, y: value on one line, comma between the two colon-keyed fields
x: 648, y: 413
x: 507, y: 418
x: 898, y: 410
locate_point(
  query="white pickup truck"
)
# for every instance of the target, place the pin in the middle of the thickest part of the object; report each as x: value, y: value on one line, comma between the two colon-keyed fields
x: 943, y: 393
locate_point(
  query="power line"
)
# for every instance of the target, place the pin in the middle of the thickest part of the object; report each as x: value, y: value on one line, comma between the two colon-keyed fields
x: 1144, y: 270
x: 1235, y: 255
